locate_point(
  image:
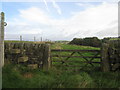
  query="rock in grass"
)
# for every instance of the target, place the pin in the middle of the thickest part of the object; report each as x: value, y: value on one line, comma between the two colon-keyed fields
x: 23, y: 59
x: 15, y: 51
x: 115, y: 66
x: 33, y: 66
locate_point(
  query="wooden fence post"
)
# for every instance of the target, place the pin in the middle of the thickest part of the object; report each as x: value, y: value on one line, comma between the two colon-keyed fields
x: 41, y: 39
x: 46, y: 57
x: 2, y: 40
x: 20, y: 38
x: 105, y: 65
x: 34, y: 39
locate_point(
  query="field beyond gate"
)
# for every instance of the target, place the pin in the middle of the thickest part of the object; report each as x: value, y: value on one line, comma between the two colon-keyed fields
x: 76, y: 59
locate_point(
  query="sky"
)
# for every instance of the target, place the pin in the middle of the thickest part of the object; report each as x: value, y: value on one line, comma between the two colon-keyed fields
x: 60, y: 20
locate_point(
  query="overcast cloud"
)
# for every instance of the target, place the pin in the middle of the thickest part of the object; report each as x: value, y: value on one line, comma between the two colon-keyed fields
x: 96, y: 20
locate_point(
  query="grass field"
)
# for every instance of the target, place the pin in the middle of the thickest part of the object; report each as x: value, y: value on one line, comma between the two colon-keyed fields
x: 18, y: 76
x: 74, y: 61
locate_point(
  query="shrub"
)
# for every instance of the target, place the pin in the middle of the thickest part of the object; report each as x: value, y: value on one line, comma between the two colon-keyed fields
x: 92, y: 41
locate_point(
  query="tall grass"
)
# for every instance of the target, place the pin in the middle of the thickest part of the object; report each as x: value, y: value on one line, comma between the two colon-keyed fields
x: 14, y: 77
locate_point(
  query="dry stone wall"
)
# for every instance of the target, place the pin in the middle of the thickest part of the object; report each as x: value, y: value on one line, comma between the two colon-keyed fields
x: 114, y: 54
x: 25, y: 53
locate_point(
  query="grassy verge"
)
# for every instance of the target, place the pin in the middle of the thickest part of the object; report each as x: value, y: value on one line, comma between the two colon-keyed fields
x: 15, y: 76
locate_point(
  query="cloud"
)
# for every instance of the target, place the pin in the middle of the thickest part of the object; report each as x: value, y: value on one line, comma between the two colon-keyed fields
x: 85, y: 5
x: 34, y: 15
x: 54, y: 5
x: 46, y: 5
x: 109, y: 32
x: 100, y: 20
x: 57, y: 7
x: 60, y: 0
x: 94, y: 19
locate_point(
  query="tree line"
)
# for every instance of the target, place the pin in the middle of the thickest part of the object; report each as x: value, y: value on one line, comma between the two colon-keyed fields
x: 90, y: 41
